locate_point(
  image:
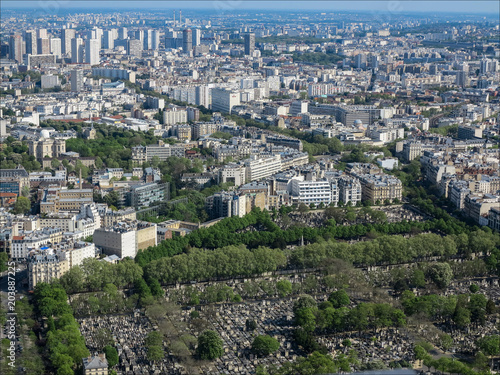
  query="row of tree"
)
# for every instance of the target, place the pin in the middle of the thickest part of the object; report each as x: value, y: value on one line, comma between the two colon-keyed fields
x: 95, y: 275
x: 460, y: 310
x: 229, y: 261
x: 235, y: 230
x: 65, y: 344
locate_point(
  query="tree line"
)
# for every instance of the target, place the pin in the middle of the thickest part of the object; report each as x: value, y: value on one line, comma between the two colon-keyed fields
x: 336, y: 315
x: 235, y: 231
x: 459, y: 310
x: 65, y: 344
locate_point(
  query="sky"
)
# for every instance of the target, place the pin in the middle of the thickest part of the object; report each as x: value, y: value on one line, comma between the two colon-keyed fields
x: 400, y: 6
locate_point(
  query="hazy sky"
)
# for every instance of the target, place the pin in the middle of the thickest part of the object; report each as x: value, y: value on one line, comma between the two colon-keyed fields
x: 400, y: 6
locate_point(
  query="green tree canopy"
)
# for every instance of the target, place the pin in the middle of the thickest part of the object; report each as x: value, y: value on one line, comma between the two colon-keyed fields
x: 210, y: 345
x: 265, y: 345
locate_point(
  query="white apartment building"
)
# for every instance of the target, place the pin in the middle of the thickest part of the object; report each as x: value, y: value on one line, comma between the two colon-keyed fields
x: 298, y: 107
x: 118, y: 241
x: 223, y: 100
x: 308, y: 192
x: 387, y: 135
x: 259, y: 168
x: 21, y: 245
x: 232, y: 172
x: 174, y: 116
x: 82, y: 250
x: 92, y: 47
x: 349, y: 190
x: 239, y: 205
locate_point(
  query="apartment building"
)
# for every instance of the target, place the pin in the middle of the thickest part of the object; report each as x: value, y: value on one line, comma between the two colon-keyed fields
x: 56, y: 199
x: 174, y: 115
x: 412, y: 150
x: 232, y: 173
x: 147, y: 194
x: 140, y: 154
x: 494, y: 218
x: 349, y: 190
x: 13, y: 180
x: 380, y: 187
x: 125, y: 239
x: 45, y: 266
x: 47, y: 147
x: 259, y: 168
x: 308, y: 192
x: 478, y: 207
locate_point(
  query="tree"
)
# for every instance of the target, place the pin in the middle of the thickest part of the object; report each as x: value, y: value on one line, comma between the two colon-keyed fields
x: 339, y: 299
x: 3, y: 261
x: 250, y: 325
x: 22, y: 206
x: 474, y: 288
x: 303, y: 208
x: 441, y: 274
x: 154, y: 338
x: 481, y: 361
x: 155, y: 353
x: 103, y: 338
x: 446, y: 341
x: 284, y: 288
x: 490, y: 307
x: 210, y: 345
x: 156, y: 289
x: 55, y: 163
x: 111, y: 355
x: 265, y: 345
x: 305, y: 318
x: 418, y: 279
x: 305, y: 301
x: 461, y: 317
x: 489, y: 345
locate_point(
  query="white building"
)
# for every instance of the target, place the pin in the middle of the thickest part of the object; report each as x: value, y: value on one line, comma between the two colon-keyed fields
x: 298, y: 107
x: 258, y: 168
x: 50, y: 81
x: 317, y: 192
x: 232, y: 173
x: 174, y: 116
x: 81, y: 251
x: 350, y: 190
x: 239, y: 204
x: 388, y: 163
x: 92, y: 51
x: 118, y: 241
x: 22, y: 245
x: 77, y: 51
x: 55, y: 47
x: 224, y: 100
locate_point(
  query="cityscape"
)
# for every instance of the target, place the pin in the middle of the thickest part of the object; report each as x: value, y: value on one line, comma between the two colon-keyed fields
x: 248, y: 187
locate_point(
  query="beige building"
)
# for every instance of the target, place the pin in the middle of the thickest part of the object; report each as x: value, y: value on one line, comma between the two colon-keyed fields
x: 110, y: 217
x: 478, y: 207
x: 146, y: 235
x: 63, y: 199
x: 47, y: 147
x: 380, y: 188
x: 45, y: 267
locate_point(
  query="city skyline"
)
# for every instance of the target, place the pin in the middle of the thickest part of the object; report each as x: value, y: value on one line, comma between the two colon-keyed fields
x: 361, y: 6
